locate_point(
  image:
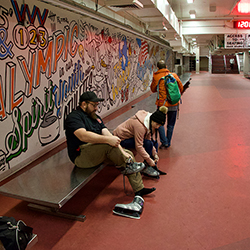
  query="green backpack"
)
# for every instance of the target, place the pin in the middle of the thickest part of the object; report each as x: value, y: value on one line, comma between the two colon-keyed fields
x: 172, y: 88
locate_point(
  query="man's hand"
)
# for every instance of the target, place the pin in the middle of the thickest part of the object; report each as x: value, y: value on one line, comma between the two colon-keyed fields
x: 126, y: 154
x: 113, y: 141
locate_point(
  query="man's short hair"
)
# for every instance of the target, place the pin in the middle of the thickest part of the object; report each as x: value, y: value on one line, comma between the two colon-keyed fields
x: 161, y: 64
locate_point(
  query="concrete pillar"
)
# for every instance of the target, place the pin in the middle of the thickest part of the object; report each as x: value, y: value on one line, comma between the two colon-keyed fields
x: 246, y: 63
x: 197, y: 59
x: 210, y: 63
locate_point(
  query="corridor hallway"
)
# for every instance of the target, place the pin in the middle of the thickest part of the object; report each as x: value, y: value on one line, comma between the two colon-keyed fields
x: 203, y: 203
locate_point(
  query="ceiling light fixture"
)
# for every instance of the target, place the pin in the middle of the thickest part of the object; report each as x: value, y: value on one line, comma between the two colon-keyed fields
x: 244, y: 6
x: 190, y: 1
x: 212, y: 7
x: 192, y: 14
x: 164, y: 27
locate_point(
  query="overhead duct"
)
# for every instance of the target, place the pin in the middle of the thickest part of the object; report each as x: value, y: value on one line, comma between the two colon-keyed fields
x: 133, y: 4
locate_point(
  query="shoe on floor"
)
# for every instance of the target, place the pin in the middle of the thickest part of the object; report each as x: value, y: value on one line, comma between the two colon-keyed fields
x: 164, y: 146
x: 158, y: 170
x: 145, y: 191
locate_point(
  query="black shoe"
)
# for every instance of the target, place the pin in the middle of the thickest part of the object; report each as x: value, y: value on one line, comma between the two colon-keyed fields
x: 145, y: 191
x: 159, y: 171
x: 164, y: 146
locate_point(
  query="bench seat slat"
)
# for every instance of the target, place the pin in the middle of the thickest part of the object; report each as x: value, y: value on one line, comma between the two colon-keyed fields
x: 51, y: 183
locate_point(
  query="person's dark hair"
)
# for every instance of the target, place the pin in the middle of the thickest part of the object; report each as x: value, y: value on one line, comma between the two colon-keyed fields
x: 161, y: 64
x: 158, y: 116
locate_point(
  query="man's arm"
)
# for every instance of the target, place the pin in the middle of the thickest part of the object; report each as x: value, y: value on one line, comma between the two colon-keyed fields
x: 106, y: 132
x: 153, y: 85
x: 90, y: 137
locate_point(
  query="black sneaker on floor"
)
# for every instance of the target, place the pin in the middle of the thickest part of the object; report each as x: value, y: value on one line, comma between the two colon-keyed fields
x: 159, y: 171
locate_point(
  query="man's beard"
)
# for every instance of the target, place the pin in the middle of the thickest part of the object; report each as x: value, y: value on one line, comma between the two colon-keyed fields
x: 91, y: 114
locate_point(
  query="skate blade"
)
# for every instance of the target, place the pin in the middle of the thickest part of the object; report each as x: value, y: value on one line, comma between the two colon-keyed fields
x: 126, y: 213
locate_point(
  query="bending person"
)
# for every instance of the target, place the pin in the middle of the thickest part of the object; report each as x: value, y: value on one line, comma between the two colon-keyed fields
x: 137, y: 133
x: 90, y: 143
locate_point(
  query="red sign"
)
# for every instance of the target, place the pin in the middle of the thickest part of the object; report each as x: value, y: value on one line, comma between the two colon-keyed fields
x: 242, y: 24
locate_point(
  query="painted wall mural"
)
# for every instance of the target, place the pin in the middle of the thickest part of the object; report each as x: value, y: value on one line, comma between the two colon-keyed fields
x: 49, y: 56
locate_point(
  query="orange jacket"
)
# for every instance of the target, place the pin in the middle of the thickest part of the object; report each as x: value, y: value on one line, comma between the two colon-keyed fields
x: 162, y: 89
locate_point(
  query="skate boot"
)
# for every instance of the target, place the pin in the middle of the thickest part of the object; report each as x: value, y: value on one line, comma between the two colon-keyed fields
x: 132, y: 210
x: 132, y: 167
x: 150, y: 171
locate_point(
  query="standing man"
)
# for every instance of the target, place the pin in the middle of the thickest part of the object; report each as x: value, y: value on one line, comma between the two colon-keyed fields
x: 172, y: 109
x: 90, y: 143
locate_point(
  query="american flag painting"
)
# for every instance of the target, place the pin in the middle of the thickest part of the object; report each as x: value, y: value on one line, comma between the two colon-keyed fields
x: 143, y: 51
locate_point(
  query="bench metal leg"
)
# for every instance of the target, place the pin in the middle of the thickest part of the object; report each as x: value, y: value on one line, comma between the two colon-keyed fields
x: 55, y: 212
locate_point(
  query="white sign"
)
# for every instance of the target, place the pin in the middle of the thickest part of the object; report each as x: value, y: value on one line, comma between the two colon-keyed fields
x: 237, y: 41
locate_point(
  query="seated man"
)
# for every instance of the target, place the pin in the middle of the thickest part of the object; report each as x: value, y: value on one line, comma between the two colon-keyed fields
x: 137, y: 133
x: 90, y: 143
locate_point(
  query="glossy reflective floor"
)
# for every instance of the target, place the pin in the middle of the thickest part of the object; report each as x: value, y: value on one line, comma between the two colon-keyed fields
x: 203, y: 202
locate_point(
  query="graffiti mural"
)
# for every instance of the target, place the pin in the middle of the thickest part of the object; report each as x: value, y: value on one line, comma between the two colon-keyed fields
x: 49, y: 56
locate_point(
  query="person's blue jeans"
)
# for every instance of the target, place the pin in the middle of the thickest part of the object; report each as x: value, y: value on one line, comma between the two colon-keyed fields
x: 166, y: 138
x: 147, y: 144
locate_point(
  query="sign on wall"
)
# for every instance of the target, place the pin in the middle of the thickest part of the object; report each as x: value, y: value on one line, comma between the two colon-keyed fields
x: 49, y: 56
x: 237, y: 40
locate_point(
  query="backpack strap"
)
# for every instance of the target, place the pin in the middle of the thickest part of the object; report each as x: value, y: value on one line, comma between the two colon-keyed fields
x: 162, y: 78
x: 158, y: 88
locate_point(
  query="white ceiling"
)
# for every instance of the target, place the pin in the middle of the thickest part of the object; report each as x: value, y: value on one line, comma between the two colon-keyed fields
x: 213, y: 17
x: 202, y: 8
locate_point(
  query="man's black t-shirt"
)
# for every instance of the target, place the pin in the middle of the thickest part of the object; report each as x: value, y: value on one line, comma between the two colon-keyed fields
x: 80, y: 119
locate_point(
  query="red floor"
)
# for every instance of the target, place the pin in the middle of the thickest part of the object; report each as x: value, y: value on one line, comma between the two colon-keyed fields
x: 203, y: 202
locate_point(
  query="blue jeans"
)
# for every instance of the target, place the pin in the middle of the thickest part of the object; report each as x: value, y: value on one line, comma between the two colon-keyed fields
x: 166, y: 138
x: 147, y: 144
